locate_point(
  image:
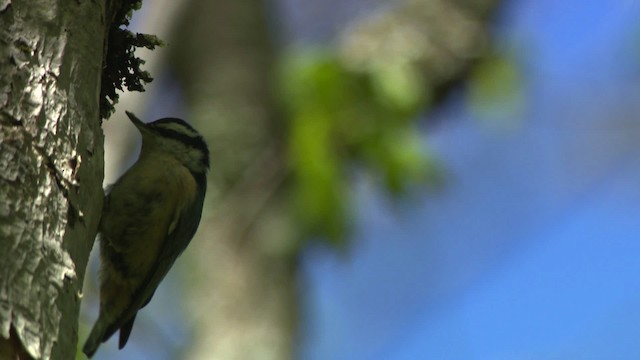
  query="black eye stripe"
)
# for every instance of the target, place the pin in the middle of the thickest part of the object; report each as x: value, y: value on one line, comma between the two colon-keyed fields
x: 195, y: 142
x: 189, y: 137
x: 182, y: 137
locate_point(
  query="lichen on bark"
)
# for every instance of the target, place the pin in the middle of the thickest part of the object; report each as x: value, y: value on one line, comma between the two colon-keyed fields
x: 122, y: 69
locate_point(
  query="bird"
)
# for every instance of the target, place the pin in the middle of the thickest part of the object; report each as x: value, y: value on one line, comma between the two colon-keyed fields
x: 149, y: 216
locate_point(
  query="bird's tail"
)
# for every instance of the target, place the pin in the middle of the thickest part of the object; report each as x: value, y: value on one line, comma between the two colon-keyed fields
x: 96, y: 337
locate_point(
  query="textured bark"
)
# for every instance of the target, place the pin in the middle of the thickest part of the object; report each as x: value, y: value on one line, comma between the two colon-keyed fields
x: 51, y: 165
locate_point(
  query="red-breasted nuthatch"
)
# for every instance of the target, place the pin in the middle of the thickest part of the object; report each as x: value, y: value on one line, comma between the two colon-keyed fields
x: 149, y: 217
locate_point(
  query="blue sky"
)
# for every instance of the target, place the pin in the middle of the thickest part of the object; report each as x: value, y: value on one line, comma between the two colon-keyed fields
x: 530, y: 251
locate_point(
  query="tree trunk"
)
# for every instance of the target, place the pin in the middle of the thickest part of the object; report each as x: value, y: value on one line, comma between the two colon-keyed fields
x: 244, y: 282
x: 51, y: 170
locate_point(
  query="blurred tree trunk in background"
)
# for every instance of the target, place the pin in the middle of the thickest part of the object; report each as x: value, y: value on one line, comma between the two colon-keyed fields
x: 244, y: 284
x: 51, y: 164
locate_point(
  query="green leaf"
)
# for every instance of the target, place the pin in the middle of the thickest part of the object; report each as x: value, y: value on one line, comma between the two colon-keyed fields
x: 495, y: 90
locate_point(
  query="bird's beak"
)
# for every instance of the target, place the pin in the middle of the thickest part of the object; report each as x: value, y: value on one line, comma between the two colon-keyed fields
x: 137, y: 122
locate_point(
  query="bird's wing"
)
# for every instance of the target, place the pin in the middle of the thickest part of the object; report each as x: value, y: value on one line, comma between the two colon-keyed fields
x: 186, y: 224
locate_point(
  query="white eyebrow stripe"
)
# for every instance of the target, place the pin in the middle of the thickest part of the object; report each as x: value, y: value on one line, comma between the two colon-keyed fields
x: 179, y: 129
